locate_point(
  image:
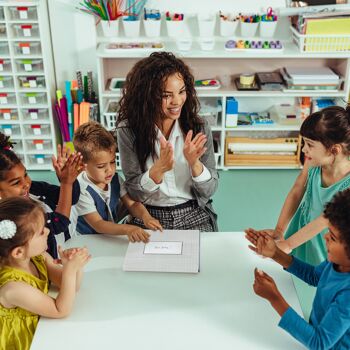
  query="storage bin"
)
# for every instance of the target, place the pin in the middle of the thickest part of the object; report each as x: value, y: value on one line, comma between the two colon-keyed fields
x: 228, y: 27
x: 4, y: 48
x: 321, y: 43
x: 27, y: 48
x: 37, y: 129
x: 29, y: 65
x: 31, y: 82
x: 35, y: 114
x: 7, y: 98
x: 3, y: 33
x: 209, y: 110
x: 184, y: 44
x: 33, y: 98
x: 12, y: 130
x: 267, y: 29
x: 110, y: 28
x: 206, y: 25
x: 27, y: 30
x: 175, y: 29
x: 23, y: 12
x: 39, y: 159
x: 248, y: 29
x: 6, y: 82
x: 110, y: 115
x: 39, y: 145
x: 5, y: 65
x: 8, y: 114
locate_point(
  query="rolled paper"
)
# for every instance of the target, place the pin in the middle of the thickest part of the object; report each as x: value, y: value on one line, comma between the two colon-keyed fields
x: 246, y: 79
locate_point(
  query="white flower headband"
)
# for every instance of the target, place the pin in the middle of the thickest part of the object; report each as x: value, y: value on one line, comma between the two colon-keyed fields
x: 7, y: 229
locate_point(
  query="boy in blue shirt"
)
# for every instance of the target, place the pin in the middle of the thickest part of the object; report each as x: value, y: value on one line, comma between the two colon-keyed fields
x: 329, y: 326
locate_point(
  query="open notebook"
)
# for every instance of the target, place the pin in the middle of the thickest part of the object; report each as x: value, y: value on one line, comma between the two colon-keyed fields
x: 167, y: 251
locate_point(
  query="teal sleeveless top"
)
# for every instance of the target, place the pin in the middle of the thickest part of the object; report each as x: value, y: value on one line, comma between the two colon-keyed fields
x: 311, y: 206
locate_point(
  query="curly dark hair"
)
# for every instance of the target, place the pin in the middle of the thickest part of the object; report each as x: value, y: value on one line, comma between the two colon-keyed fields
x: 329, y: 126
x: 141, y: 103
x: 337, y: 212
x: 8, y: 158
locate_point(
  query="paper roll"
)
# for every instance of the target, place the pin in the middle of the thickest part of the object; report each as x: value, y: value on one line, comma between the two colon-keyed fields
x: 262, y: 147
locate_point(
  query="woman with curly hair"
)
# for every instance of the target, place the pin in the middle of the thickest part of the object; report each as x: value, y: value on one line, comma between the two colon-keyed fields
x: 166, y: 149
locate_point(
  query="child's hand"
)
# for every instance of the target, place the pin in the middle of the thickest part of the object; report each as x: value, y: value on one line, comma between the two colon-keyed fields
x: 63, y: 154
x: 67, y: 254
x: 72, y: 168
x: 79, y: 259
x: 265, y: 286
x: 263, y: 243
x: 194, y: 149
x: 152, y: 223
x: 137, y: 234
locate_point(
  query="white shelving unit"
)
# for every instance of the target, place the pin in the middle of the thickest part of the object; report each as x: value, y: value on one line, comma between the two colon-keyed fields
x: 27, y: 81
x: 223, y: 64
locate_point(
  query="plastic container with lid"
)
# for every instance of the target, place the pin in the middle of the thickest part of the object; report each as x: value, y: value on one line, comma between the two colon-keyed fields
x: 35, y: 114
x: 33, y: 98
x: 26, y: 30
x: 29, y: 65
x: 31, y: 82
x: 23, y: 12
x: 27, y: 48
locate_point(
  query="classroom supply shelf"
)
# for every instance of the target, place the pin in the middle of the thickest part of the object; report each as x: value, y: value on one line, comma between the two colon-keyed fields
x: 27, y: 81
x: 224, y: 65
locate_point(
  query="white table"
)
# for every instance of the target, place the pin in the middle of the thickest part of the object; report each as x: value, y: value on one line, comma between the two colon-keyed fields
x: 214, y: 309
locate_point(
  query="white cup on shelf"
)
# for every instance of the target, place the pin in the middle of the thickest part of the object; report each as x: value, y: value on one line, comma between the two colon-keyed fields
x: 249, y: 29
x: 175, y: 29
x: 152, y: 27
x: 131, y: 28
x: 267, y: 29
x: 110, y: 28
x: 206, y: 25
x: 227, y: 27
x: 184, y: 44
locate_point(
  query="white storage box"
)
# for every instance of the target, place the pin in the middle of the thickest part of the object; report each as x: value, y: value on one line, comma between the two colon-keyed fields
x: 6, y: 82
x: 27, y: 48
x: 8, y: 114
x: 39, y: 145
x: 35, y: 114
x: 39, y: 159
x: 12, y: 130
x: 4, y: 48
x: 23, y: 12
x: 33, y: 98
x: 3, y: 30
x: 31, y: 82
x: 7, y: 98
x: 321, y: 43
x: 27, y: 66
x: 210, y: 109
x: 5, y: 65
x: 26, y: 30
x: 110, y: 115
x: 37, y: 129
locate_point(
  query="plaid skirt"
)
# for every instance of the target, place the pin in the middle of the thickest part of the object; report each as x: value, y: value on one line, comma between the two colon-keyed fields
x: 185, y: 216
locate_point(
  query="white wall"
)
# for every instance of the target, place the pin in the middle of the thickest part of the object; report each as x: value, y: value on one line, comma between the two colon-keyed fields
x: 74, y: 36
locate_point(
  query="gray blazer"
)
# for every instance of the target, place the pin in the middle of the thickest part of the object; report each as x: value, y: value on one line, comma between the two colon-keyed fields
x: 202, y: 191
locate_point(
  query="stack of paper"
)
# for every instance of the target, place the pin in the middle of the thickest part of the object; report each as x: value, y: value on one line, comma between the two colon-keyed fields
x: 167, y: 251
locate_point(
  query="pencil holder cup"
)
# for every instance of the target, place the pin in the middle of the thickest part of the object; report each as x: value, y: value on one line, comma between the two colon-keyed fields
x: 206, y: 25
x: 207, y: 44
x: 267, y: 28
x: 249, y: 29
x: 175, y: 28
x: 131, y: 27
x: 184, y: 44
x: 152, y: 28
x: 227, y: 27
x: 110, y: 28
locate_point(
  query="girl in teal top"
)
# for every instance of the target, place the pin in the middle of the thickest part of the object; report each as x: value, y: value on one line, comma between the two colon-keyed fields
x: 301, y: 225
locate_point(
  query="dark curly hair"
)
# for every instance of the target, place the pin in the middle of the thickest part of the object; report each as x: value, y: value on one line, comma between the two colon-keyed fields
x: 337, y: 212
x: 329, y: 126
x: 141, y: 103
x: 8, y: 158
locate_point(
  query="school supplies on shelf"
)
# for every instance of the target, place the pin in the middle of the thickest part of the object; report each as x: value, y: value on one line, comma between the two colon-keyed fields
x: 285, y: 114
x: 103, y: 9
x: 124, y: 46
x: 262, y: 151
x: 77, y: 106
x: 174, y: 16
x: 211, y: 84
x: 270, y: 81
x: 267, y: 46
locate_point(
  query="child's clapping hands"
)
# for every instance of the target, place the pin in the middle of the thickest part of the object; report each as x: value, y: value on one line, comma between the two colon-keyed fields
x: 263, y: 243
